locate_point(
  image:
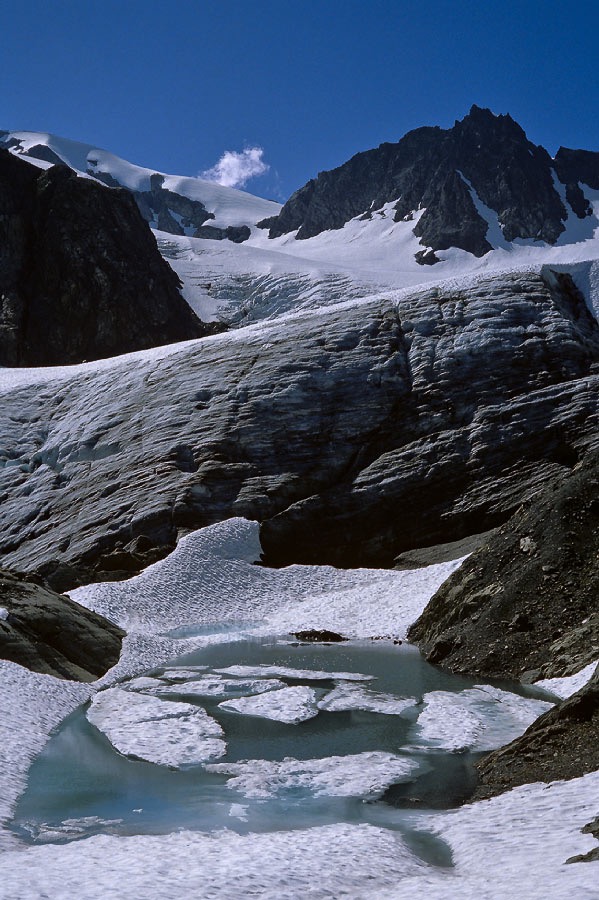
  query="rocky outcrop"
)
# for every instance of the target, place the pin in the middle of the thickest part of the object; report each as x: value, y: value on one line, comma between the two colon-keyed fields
x: 561, y: 744
x: 236, y: 233
x: 173, y: 213
x: 160, y: 206
x: 483, y: 159
x: 525, y: 603
x: 80, y: 274
x: 49, y: 633
x: 352, y: 434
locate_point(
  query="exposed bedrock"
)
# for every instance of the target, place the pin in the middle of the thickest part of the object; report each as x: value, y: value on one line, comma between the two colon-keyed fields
x: 525, y: 603
x: 435, y: 169
x: 49, y: 633
x: 353, y: 434
x: 81, y: 277
x: 174, y: 213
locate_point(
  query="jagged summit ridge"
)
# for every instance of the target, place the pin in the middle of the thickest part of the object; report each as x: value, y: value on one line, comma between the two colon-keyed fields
x: 484, y: 163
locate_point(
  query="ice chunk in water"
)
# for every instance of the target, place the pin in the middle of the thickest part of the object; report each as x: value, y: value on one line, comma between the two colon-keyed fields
x: 288, y: 672
x: 158, y: 731
x: 289, y: 705
x: 360, y: 775
x: 354, y: 696
x: 480, y: 718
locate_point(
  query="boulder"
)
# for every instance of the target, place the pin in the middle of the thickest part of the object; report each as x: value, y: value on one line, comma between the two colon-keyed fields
x: 50, y: 633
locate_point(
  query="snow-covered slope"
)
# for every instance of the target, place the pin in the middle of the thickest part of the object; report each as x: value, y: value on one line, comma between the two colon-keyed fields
x: 264, y: 278
x: 241, y: 283
x: 229, y: 206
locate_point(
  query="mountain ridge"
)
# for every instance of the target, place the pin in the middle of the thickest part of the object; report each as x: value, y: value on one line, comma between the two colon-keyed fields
x: 483, y: 158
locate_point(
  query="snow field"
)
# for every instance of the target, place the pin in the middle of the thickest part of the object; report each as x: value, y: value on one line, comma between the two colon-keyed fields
x: 332, y: 861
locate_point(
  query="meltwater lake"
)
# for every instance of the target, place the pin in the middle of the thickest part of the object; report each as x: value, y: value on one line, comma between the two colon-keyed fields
x: 295, y: 735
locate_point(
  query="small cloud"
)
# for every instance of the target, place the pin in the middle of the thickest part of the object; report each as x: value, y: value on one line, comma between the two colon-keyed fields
x: 235, y: 169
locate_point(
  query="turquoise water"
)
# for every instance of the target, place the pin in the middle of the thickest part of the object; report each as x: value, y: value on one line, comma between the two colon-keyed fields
x: 80, y: 785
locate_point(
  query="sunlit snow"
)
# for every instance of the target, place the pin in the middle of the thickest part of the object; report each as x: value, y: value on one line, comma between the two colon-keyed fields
x: 289, y: 704
x: 361, y: 775
x: 161, y: 732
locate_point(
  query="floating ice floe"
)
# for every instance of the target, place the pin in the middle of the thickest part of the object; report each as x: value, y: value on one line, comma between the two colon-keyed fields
x: 3, y: 614
x: 288, y: 672
x: 158, y: 731
x: 47, y: 833
x: 181, y: 674
x: 354, y: 696
x: 290, y: 705
x: 143, y: 684
x: 359, y: 775
x: 239, y: 811
x: 217, y: 686
x: 480, y: 718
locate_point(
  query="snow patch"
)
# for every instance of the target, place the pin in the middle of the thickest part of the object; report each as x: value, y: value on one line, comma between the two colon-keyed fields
x: 570, y: 684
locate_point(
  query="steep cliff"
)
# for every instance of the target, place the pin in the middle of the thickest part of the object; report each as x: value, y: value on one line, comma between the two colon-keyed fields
x: 80, y: 275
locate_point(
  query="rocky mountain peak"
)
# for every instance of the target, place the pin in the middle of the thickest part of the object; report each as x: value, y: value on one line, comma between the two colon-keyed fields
x: 482, y: 169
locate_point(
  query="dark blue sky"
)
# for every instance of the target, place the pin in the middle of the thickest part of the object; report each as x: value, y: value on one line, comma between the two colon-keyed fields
x: 173, y: 85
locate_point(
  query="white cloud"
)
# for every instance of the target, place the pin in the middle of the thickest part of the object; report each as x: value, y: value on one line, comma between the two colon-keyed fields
x: 235, y: 169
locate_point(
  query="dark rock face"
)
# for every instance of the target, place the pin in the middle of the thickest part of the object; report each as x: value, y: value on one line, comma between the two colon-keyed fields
x: 49, y: 633
x: 81, y: 277
x: 319, y: 636
x: 159, y: 204
x: 526, y: 601
x: 173, y: 213
x: 560, y: 745
x: 236, y: 233
x: 434, y: 168
x: 352, y: 435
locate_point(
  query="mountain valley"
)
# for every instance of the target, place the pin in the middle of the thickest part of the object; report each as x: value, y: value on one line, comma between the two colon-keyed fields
x: 288, y: 404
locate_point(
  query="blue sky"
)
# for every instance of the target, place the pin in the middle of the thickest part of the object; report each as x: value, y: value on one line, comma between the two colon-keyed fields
x: 173, y: 85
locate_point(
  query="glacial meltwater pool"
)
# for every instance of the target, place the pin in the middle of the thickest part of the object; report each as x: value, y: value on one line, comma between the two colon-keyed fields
x: 268, y: 735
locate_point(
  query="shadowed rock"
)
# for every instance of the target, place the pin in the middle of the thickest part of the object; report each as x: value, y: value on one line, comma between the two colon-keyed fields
x: 47, y: 632
x: 80, y: 274
x: 526, y: 601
